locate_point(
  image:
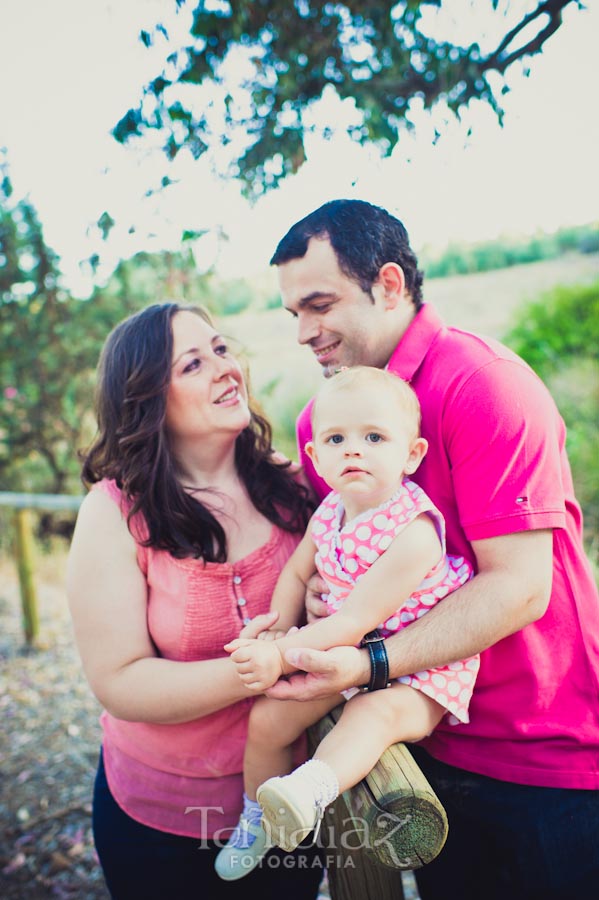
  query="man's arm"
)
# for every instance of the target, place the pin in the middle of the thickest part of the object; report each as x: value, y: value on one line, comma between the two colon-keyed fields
x: 510, y: 590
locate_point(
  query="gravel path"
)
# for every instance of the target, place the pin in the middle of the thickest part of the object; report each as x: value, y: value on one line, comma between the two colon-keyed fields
x: 48, y: 751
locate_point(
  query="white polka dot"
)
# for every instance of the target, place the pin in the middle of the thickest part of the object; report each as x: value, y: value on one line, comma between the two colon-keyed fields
x: 367, y: 554
x: 421, y: 612
x: 327, y: 514
x: 396, y: 509
x: 318, y: 527
x: 349, y: 545
x: 473, y: 664
x: 411, y: 602
x: 376, y: 539
x: 442, y: 699
x: 329, y: 569
x: 385, y: 542
x: 424, y: 675
x: 352, y: 566
x: 465, y: 676
x: 393, y: 623
x: 407, y: 617
x: 464, y: 696
x: 453, y: 689
x: 428, y: 599
x: 363, y: 532
x: 381, y: 522
x: 439, y: 680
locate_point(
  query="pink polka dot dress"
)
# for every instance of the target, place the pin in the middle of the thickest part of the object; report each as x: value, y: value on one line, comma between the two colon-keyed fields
x: 345, y: 553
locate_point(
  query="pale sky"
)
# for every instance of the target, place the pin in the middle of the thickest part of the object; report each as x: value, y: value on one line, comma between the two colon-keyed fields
x: 69, y: 69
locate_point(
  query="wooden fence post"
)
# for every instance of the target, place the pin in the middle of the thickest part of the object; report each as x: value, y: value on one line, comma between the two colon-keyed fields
x: 24, y: 550
x: 24, y: 544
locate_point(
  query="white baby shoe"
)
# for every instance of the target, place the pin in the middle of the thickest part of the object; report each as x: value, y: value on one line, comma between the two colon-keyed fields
x: 293, y: 805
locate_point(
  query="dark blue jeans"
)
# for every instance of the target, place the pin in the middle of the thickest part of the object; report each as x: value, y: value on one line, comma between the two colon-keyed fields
x: 510, y: 841
x: 141, y: 863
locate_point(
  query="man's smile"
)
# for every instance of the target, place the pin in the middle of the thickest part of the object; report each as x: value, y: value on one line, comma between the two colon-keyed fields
x: 322, y: 353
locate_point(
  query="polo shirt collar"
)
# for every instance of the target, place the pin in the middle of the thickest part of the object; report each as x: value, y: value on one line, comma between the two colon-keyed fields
x: 415, y: 343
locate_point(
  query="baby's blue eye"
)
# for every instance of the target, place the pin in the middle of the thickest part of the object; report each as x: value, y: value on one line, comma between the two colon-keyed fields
x: 335, y: 439
x: 374, y: 437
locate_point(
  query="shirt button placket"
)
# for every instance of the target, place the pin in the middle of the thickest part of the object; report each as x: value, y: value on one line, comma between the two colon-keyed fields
x: 241, y: 601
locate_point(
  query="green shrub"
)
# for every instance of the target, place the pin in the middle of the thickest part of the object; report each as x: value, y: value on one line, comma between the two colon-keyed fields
x: 558, y: 328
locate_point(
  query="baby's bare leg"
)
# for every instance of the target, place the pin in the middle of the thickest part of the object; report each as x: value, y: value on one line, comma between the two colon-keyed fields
x: 274, y: 727
x: 372, y: 722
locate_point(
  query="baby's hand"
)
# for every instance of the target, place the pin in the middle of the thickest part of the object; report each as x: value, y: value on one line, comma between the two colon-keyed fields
x: 259, y: 663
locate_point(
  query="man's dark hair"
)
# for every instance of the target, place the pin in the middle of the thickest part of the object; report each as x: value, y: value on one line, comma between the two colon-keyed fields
x: 364, y: 238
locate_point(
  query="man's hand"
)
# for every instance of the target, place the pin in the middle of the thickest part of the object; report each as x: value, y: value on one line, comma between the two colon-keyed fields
x: 316, y: 607
x: 259, y: 663
x: 325, y: 672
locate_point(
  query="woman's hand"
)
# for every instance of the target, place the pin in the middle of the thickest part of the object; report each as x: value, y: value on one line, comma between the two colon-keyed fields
x: 316, y: 607
x: 259, y: 625
x: 273, y: 634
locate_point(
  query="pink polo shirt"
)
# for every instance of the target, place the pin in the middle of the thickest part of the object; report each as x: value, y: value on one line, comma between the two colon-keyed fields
x: 496, y: 465
x: 187, y: 778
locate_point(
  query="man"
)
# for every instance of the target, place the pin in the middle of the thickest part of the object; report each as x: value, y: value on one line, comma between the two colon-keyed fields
x: 519, y: 782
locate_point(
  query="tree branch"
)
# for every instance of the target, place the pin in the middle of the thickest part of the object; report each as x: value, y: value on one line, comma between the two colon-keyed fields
x: 552, y: 8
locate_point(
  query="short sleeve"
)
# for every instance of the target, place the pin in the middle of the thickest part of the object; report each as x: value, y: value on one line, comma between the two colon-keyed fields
x: 506, y: 449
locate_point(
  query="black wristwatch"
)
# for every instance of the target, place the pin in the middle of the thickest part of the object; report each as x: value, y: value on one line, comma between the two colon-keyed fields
x: 379, y: 662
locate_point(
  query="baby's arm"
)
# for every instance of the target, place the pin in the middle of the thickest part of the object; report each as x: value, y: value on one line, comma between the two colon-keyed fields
x: 259, y: 662
x: 288, y: 597
x: 396, y: 573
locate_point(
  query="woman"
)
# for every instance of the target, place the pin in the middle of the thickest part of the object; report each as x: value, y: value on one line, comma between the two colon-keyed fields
x: 177, y: 548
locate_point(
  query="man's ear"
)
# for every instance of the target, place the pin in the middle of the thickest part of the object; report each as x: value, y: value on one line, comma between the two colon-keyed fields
x: 310, y: 452
x: 392, y: 280
x: 417, y: 453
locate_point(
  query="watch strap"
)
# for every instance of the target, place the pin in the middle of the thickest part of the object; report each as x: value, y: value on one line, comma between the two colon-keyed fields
x: 379, y: 662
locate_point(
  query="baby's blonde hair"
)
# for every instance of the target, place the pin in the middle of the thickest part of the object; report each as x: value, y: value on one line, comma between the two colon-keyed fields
x: 360, y: 376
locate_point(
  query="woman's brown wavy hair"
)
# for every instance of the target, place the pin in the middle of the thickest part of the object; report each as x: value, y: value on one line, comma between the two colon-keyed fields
x: 132, y: 445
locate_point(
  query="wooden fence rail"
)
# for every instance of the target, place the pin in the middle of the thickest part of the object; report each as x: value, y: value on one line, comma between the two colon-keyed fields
x: 23, y: 504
